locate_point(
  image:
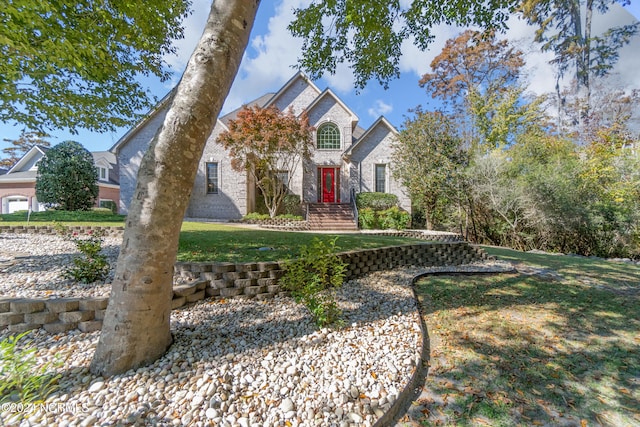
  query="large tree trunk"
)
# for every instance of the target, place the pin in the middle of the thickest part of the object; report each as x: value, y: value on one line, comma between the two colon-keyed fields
x: 136, y: 329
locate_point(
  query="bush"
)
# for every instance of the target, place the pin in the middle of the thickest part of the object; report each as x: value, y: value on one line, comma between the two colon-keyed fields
x: 367, y: 219
x: 376, y: 201
x: 394, y: 218
x: 108, y: 205
x: 66, y: 178
x: 20, y: 379
x: 312, y: 280
x: 92, y: 266
x: 255, y: 216
x: 291, y: 205
x: 290, y: 217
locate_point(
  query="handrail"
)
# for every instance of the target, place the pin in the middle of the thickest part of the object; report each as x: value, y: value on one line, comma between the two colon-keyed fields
x: 354, y: 205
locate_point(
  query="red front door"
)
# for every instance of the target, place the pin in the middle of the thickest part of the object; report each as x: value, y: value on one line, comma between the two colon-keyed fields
x: 329, y: 185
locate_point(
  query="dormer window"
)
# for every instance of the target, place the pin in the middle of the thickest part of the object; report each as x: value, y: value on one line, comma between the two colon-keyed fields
x: 102, y: 174
x: 328, y: 137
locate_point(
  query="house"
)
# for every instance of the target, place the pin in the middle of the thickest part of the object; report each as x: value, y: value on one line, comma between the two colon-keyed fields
x: 347, y: 157
x: 18, y: 185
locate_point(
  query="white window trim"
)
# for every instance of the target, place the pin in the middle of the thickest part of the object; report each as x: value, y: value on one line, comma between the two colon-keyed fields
x: 206, y: 177
x: 386, y: 176
x: 340, y: 136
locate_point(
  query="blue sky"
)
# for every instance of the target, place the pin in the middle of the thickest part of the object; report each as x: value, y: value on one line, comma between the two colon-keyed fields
x: 272, y: 52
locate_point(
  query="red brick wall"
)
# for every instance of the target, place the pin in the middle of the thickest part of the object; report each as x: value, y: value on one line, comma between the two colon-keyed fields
x: 27, y: 189
x: 108, y: 193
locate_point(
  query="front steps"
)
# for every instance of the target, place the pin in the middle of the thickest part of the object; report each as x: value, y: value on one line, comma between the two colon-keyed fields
x: 331, y: 216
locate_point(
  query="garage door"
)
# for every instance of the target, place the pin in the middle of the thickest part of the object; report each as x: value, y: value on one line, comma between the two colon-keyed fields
x: 18, y: 204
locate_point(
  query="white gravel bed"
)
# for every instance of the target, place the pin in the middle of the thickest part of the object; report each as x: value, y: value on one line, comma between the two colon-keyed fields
x: 39, y: 261
x: 233, y: 363
x: 251, y: 363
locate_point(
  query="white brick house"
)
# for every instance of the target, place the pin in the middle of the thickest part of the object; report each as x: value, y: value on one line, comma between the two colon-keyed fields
x: 346, y: 156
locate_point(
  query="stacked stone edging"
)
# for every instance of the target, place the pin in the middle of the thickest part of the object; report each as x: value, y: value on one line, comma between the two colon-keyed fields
x: 225, y: 280
x: 50, y: 229
x: 56, y: 315
x: 279, y: 223
x: 434, y: 236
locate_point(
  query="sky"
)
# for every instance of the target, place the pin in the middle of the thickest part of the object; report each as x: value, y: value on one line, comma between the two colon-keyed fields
x: 272, y: 53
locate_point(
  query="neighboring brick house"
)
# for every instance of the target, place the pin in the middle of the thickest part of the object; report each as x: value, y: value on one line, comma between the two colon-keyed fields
x: 347, y: 157
x: 18, y: 185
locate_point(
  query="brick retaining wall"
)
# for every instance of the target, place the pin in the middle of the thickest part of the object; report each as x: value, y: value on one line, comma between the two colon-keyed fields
x: 224, y: 280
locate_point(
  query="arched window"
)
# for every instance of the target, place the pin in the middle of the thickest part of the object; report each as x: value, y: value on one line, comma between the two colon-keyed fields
x: 328, y: 137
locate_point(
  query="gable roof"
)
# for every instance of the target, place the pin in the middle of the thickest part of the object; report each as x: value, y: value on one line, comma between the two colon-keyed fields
x: 34, y: 154
x: 258, y: 102
x: 104, y: 157
x: 150, y: 115
x: 381, y: 121
x: 265, y: 101
x: 329, y: 93
x: 297, y: 76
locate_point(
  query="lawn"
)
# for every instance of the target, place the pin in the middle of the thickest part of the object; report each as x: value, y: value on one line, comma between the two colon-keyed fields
x: 96, y: 217
x: 219, y: 242
x: 556, y: 346
x: 201, y: 241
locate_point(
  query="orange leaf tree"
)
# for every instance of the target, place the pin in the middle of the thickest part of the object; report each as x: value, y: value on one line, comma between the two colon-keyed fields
x: 270, y: 145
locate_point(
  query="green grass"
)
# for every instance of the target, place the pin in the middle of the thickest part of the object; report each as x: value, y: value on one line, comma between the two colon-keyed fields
x: 559, y: 347
x: 98, y: 217
x: 215, y: 242
x: 225, y: 243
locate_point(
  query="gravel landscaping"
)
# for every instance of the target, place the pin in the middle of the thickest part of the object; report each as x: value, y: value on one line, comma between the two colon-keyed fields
x: 233, y: 362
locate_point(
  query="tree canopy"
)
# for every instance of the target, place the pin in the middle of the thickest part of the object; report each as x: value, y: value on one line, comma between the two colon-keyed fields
x: 67, y: 177
x: 478, y: 76
x: 428, y: 158
x: 71, y: 65
x: 368, y: 35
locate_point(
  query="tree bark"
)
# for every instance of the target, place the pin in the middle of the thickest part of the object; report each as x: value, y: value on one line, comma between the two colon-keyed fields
x: 136, y: 329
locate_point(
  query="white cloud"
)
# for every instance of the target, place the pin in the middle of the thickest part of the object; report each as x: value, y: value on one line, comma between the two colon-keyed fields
x: 380, y: 108
x: 418, y: 62
x: 193, y: 27
x: 268, y: 63
x: 342, y: 81
x: 541, y: 76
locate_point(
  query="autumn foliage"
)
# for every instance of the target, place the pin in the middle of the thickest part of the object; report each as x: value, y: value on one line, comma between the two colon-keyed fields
x: 270, y: 145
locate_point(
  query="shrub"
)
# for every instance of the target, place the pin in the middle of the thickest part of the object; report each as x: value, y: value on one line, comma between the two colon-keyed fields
x: 20, y: 379
x: 107, y: 205
x: 394, y: 217
x: 291, y: 217
x: 367, y: 219
x: 291, y: 205
x: 376, y: 201
x: 92, y: 266
x: 312, y: 280
x: 255, y: 216
x: 66, y: 178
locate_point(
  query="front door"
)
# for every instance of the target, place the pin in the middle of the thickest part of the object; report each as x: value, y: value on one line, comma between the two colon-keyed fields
x: 329, y: 186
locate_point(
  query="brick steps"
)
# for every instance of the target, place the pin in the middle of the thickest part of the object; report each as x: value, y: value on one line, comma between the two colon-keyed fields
x: 331, y: 216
